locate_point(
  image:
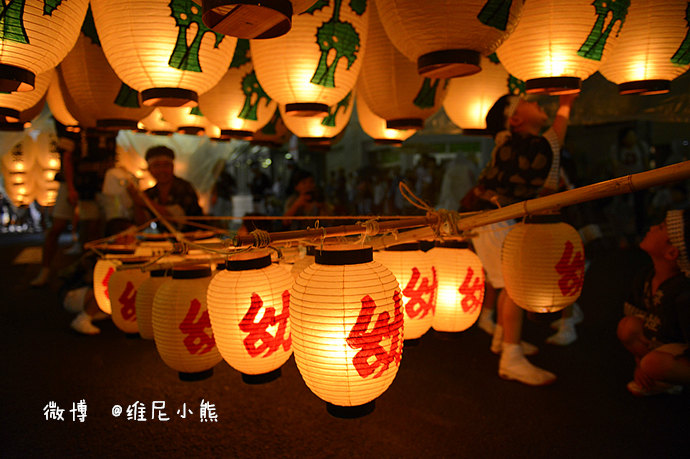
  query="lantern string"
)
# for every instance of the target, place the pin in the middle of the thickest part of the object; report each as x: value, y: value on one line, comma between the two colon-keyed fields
x: 444, y: 218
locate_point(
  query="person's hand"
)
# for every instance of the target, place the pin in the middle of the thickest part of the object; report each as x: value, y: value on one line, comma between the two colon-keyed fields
x: 643, y: 379
x: 567, y: 99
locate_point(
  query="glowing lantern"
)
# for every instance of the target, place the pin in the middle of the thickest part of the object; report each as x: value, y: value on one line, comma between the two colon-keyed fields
x: 316, y: 64
x: 47, y: 155
x: 12, y: 104
x: 469, y: 99
x: 375, y: 126
x: 181, y: 325
x: 162, y: 48
x: 25, y: 117
x: 56, y: 103
x: 144, y: 301
x: 36, y: 37
x: 122, y: 290
x: 391, y: 86
x: 444, y: 39
x: 156, y: 124
x: 187, y: 120
x: 319, y: 127
x: 20, y: 158
x: 46, y: 192
x: 303, y: 261
x: 543, y: 265
x: 103, y: 270
x: 274, y: 134
x: 249, y: 306
x: 347, y: 328
x: 559, y: 43
x: 418, y: 281
x: 460, y: 287
x: 653, y: 47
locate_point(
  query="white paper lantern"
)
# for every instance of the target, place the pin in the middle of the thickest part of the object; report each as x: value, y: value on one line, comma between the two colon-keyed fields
x: 144, y: 300
x: 375, y: 126
x: 187, y: 120
x: 123, y: 288
x: 103, y: 270
x: 156, y: 124
x: 12, y: 104
x: 319, y: 127
x: 57, y: 106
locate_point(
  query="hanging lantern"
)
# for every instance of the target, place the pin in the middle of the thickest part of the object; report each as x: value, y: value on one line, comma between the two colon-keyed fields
x: 103, y: 270
x: 12, y: 104
x: 316, y: 64
x: 46, y: 191
x: 274, y: 134
x: 122, y: 290
x: 444, y: 39
x: 188, y: 120
x: 162, y: 49
x: 653, y: 47
x: 249, y: 306
x: 559, y: 43
x: 156, y: 124
x: 469, y: 99
x: 47, y: 155
x: 56, y: 104
x: 347, y: 329
x: 181, y: 325
x: 320, y: 128
x: 375, y: 126
x: 144, y: 301
x: 303, y: 261
x: 36, y: 36
x: 25, y: 118
x: 21, y: 157
x: 418, y: 281
x: 391, y: 86
x: 460, y: 286
x: 543, y: 264
x: 252, y: 18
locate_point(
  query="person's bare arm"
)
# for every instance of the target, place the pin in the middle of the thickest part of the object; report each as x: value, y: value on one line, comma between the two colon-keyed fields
x: 560, y: 124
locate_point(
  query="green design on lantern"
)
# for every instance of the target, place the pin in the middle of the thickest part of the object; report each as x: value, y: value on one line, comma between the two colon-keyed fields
x: 318, y: 6
x: 593, y: 47
x: 358, y: 6
x: 516, y: 86
x: 186, y: 56
x: 241, y: 55
x: 11, y: 18
x: 329, y: 120
x: 427, y: 93
x: 495, y: 13
x: 339, y: 36
x: 49, y: 6
x: 270, y: 128
x: 253, y: 95
x: 493, y: 57
x: 682, y: 55
x: 127, y: 97
x: 88, y: 28
x: 196, y: 111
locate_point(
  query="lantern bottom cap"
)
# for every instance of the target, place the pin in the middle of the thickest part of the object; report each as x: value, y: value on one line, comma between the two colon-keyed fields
x: 476, y: 132
x: 250, y: 19
x: 403, y: 124
x: 116, y: 124
x: 645, y: 87
x: 412, y: 342
x: 197, y: 376
x: 13, y: 78
x: 350, y: 412
x: 134, y: 335
x: 446, y: 335
x: 262, y: 378
x: 555, y: 86
x: 235, y: 134
x: 391, y: 142
x: 169, y: 97
x: 191, y: 130
x: 449, y: 63
x: 306, y: 109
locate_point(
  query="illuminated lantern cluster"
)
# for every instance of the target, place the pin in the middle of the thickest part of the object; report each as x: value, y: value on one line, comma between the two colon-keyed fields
x: 559, y: 43
x: 181, y: 325
x: 347, y: 328
x: 13, y: 104
x: 543, y: 265
x: 418, y: 281
x: 144, y: 301
x: 375, y: 126
x: 122, y: 291
x: 320, y: 128
x: 653, y: 48
x: 445, y: 39
x: 249, y: 306
x: 460, y: 286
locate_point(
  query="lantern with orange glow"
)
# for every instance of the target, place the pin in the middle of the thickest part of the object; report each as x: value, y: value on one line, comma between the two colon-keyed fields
x: 144, y: 301
x: 316, y: 64
x: 249, y: 306
x: 391, y: 86
x: 162, y: 49
x: 188, y: 120
x: 652, y: 49
x: 122, y: 289
x: 443, y: 39
x: 156, y: 124
x: 559, y: 43
x: 320, y: 128
x: 181, y: 325
x: 58, y: 108
x: 375, y: 126
x: 20, y: 158
x: 25, y: 117
x: 418, y: 281
x: 12, y: 104
x: 102, y: 271
x: 460, y: 286
x: 47, y: 155
x: 36, y: 37
x: 543, y: 264
x: 347, y: 328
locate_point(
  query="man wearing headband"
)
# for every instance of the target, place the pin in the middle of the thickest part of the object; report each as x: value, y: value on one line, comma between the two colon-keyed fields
x: 524, y: 165
x: 656, y: 328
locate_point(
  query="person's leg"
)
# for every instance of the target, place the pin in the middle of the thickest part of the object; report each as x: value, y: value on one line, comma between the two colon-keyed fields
x: 82, y: 323
x: 631, y: 335
x: 667, y: 363
x: 50, y: 246
x: 486, y: 321
x: 566, y: 333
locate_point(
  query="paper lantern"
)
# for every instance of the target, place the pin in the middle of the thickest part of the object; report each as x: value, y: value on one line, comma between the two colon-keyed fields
x: 25, y: 117
x: 36, y: 36
x: 653, y: 47
x: 391, y: 86
x: 418, y: 281
x: 187, y: 120
x: 56, y: 104
x: 252, y: 18
x: 302, y: 262
x: 122, y: 290
x: 469, y: 99
x: 316, y: 64
x: 274, y: 134
x: 347, y: 328
x: 249, y: 306
x: 559, y: 43
x: 181, y: 325
x: 12, y: 104
x: 156, y: 124
x: 103, y: 270
x: 445, y: 39
x: 460, y: 286
x: 20, y: 158
x: 318, y: 128
x: 144, y: 300
x: 375, y: 126
x: 162, y: 49
x: 543, y: 265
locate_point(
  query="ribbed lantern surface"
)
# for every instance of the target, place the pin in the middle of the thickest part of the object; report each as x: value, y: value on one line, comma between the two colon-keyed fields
x: 123, y: 287
x: 12, y: 104
x: 144, y: 301
x: 102, y: 271
x: 375, y: 126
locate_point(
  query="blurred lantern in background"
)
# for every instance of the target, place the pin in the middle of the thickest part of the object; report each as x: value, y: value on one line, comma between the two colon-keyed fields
x: 144, y: 301
x: 36, y: 35
x: 418, y: 281
x: 543, y: 263
x: 375, y: 126
x: 559, y: 43
x: 56, y: 103
x: 316, y: 64
x: 274, y: 134
x: 321, y: 128
x: 445, y: 39
x: 347, y: 329
x: 12, y: 104
x: 460, y: 286
x: 25, y: 117
x: 249, y: 307
x: 156, y: 124
x: 188, y: 120
x: 122, y: 290
x: 653, y: 48
x: 181, y: 325
x: 162, y: 49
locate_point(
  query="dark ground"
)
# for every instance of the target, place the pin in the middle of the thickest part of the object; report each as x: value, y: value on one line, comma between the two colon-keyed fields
x: 446, y: 401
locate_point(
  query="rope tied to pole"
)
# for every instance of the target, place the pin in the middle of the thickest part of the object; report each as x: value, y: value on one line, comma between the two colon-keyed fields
x: 262, y: 238
x: 447, y: 219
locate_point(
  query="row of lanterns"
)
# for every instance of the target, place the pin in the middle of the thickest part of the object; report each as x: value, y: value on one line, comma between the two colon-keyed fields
x: 342, y: 314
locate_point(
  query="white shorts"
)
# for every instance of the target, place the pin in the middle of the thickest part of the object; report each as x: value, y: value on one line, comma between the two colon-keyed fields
x: 488, y: 244
x: 88, y: 210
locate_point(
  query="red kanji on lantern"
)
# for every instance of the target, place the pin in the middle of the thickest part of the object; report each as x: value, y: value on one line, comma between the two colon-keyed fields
x: 472, y: 294
x: 197, y: 337
x: 105, y: 281
x: 258, y: 330
x: 417, y: 304
x: 571, y: 267
x: 127, y: 300
x: 370, y: 342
